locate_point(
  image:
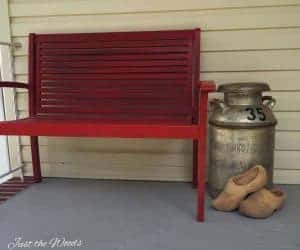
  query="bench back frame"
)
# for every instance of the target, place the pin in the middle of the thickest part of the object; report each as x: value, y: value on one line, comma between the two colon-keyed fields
x: 143, y: 92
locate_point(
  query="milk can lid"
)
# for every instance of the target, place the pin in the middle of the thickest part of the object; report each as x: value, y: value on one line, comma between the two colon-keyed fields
x: 242, y: 87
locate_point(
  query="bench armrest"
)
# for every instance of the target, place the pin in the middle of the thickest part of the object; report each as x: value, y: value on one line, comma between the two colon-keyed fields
x: 207, y: 86
x: 204, y: 88
x: 13, y: 85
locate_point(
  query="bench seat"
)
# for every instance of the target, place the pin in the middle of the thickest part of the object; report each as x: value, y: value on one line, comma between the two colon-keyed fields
x: 94, y: 128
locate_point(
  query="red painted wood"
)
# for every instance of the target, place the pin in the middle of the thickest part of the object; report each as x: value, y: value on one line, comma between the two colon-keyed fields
x: 12, y: 187
x: 13, y: 85
x: 92, y: 128
x: 123, y: 84
x: 119, y: 36
x: 205, y: 88
x: 117, y: 44
x: 31, y: 75
x: 114, y: 58
x: 37, y: 175
x: 112, y: 64
x: 133, y: 61
x: 195, y: 163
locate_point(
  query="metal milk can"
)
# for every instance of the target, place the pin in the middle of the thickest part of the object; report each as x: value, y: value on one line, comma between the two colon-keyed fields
x: 242, y: 131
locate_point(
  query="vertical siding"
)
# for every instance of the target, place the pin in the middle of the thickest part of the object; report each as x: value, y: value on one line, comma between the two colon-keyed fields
x: 241, y: 41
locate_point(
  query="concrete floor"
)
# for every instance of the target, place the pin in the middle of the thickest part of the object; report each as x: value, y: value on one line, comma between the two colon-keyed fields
x: 131, y: 215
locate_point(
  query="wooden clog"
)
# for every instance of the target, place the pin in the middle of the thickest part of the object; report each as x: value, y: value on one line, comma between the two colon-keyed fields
x: 263, y: 203
x: 238, y: 187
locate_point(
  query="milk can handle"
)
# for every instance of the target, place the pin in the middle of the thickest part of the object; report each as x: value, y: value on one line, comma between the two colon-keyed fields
x: 268, y: 101
x: 217, y: 103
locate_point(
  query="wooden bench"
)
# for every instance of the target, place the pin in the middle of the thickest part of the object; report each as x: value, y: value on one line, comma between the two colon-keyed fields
x: 124, y: 84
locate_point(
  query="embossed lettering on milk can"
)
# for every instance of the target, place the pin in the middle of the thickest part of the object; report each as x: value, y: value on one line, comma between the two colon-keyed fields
x: 242, y: 131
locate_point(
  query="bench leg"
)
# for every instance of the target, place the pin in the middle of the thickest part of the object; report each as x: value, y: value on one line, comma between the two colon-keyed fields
x: 201, y: 180
x: 201, y: 147
x: 35, y: 159
x: 195, y: 163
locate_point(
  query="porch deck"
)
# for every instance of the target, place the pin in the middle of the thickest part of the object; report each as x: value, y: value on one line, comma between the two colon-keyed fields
x: 135, y: 215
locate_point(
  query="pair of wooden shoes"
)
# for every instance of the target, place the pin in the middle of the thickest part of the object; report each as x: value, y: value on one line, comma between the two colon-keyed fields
x: 246, y: 192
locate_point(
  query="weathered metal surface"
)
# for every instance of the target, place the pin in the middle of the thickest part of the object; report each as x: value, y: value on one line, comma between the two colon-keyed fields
x: 241, y: 130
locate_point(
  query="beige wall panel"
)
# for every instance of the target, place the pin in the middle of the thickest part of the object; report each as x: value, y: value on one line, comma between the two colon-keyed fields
x: 239, y: 43
x: 225, y: 40
x: 163, y: 146
x: 281, y: 176
x: 287, y: 176
x: 223, y: 19
x: 288, y: 121
x: 61, y: 155
x: 288, y: 160
x: 278, y: 80
x: 69, y: 7
x: 50, y: 170
x: 94, y: 171
x: 79, y: 155
x: 285, y: 140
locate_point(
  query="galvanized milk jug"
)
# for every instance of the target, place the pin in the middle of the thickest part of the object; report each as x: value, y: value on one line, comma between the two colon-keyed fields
x: 241, y: 130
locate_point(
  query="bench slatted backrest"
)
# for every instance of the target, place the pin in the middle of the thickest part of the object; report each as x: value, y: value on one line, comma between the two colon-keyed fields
x: 123, y: 76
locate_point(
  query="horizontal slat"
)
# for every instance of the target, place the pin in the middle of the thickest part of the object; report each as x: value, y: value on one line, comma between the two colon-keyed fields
x: 227, y: 61
x: 125, y: 76
x: 136, y: 57
x: 59, y: 69
x: 113, y: 51
x: 38, y: 8
x: 278, y: 80
x: 115, y: 167
x: 169, y: 174
x: 288, y: 160
x: 288, y: 121
x: 135, y: 112
x: 250, y: 60
x: 115, y: 145
x: 283, y: 101
x: 94, y: 171
x: 287, y: 176
x: 116, y: 45
x: 248, y: 18
x: 225, y: 40
x: 112, y: 64
x: 285, y: 140
x: 61, y: 155
x: 126, y: 84
x: 94, y: 94
x: 132, y: 103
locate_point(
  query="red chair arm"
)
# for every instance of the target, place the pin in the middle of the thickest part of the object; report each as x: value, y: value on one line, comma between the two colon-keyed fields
x: 204, y: 88
x: 13, y: 85
x: 207, y: 86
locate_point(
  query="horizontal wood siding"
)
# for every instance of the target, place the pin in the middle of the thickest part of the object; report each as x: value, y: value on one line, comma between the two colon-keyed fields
x: 241, y: 41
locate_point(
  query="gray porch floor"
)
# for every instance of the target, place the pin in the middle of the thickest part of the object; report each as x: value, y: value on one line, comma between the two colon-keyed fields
x: 134, y: 215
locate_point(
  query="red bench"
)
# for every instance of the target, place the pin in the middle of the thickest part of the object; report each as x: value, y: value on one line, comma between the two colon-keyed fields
x: 125, y: 84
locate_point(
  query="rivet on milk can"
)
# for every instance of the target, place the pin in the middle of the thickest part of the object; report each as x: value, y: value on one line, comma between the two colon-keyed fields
x: 241, y: 133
